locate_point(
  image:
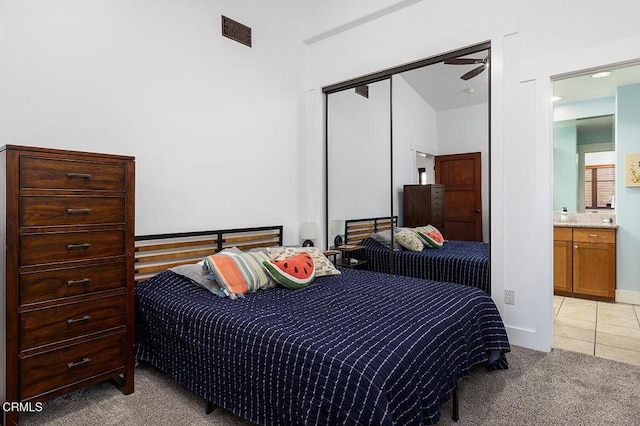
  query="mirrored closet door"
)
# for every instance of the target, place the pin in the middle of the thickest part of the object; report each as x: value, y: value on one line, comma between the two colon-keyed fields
x: 383, y: 131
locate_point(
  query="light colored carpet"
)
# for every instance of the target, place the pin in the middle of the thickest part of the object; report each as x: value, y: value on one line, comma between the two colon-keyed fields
x: 557, y: 388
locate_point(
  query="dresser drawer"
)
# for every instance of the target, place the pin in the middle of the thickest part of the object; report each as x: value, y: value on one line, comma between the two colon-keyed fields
x: 62, y: 367
x: 55, y: 247
x: 53, y: 173
x: 70, y: 210
x: 594, y: 235
x: 43, y: 326
x: 65, y: 282
x: 437, y: 191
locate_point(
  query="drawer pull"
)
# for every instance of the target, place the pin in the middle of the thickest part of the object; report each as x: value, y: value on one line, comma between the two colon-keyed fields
x: 78, y: 246
x: 78, y: 211
x: 71, y: 365
x: 79, y: 175
x: 74, y: 320
x: 83, y: 281
x: 593, y: 235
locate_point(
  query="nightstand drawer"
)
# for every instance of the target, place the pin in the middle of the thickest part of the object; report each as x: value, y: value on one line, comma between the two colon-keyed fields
x: 53, y: 370
x: 70, y: 210
x: 55, y: 247
x: 54, y: 173
x: 66, y: 282
x: 48, y: 325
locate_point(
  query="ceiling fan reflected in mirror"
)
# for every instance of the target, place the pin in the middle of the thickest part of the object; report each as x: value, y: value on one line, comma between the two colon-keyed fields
x: 484, y: 64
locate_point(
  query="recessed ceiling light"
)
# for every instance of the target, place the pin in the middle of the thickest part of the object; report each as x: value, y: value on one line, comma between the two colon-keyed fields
x: 556, y: 98
x: 470, y: 90
x: 601, y: 74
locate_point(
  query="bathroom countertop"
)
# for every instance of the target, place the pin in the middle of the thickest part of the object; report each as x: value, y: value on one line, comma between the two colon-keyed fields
x: 590, y: 224
x: 586, y: 220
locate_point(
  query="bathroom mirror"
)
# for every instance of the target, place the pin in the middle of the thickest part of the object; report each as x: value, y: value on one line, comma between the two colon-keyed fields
x: 584, y: 164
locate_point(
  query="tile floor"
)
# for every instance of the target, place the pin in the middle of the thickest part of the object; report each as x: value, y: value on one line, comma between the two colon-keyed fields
x: 606, y: 330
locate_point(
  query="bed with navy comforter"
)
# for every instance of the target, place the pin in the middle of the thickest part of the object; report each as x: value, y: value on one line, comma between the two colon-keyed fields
x: 356, y: 348
x: 461, y: 262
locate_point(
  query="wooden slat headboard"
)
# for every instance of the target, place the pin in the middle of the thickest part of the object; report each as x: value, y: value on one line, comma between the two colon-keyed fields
x: 357, y: 230
x: 156, y: 253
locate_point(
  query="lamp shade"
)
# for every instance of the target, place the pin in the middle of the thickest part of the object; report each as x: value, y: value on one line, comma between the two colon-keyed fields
x: 307, y: 230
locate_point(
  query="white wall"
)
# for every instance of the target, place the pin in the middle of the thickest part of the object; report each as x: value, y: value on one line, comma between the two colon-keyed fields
x: 627, y: 198
x: 463, y: 130
x: 531, y: 43
x: 215, y: 126
x: 359, y: 153
x: 414, y: 129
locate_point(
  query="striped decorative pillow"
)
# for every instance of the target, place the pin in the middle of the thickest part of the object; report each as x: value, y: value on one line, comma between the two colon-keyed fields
x: 238, y: 274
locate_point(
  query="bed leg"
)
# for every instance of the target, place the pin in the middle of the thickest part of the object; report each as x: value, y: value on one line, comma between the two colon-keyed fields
x: 210, y: 407
x: 455, y: 414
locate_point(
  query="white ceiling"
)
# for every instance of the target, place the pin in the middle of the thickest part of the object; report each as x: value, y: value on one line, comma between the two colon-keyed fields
x: 441, y: 87
x: 584, y: 87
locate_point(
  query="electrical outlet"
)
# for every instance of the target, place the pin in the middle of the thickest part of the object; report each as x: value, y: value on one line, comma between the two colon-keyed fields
x: 510, y: 297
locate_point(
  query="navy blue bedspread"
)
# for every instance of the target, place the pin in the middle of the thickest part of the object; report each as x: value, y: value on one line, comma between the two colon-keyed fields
x: 355, y: 348
x: 461, y: 262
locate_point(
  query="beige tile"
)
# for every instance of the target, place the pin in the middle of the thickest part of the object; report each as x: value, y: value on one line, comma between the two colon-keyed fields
x: 575, y: 333
x: 582, y: 312
x: 637, y: 308
x: 617, y: 306
x: 574, y: 301
x: 617, y: 317
x: 618, y: 341
x: 618, y: 354
x: 556, y: 307
x: 574, y: 345
x: 576, y: 323
x: 616, y: 330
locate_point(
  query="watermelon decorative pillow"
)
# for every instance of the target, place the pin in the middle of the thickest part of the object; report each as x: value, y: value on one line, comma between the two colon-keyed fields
x: 430, y: 236
x: 292, y: 272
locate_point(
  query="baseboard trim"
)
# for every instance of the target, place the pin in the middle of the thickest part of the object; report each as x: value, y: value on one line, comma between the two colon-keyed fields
x: 628, y: 296
x: 528, y: 338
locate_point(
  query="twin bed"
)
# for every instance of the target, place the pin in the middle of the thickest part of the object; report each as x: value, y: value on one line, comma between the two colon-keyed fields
x: 360, y: 347
x: 461, y: 262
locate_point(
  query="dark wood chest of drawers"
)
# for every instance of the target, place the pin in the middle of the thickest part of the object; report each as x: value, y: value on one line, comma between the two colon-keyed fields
x: 67, y: 272
x: 423, y: 205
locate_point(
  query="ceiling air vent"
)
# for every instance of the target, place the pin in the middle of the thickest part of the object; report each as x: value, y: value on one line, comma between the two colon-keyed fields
x: 363, y: 91
x: 236, y: 31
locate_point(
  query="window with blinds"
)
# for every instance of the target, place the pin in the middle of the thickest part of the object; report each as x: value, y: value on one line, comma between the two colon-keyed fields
x: 600, y: 182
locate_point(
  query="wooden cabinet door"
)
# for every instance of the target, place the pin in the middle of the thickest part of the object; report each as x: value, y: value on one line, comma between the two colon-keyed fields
x: 594, y: 269
x: 563, y: 266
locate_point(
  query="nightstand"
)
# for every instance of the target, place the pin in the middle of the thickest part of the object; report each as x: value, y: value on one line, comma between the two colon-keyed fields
x: 351, y: 256
x: 331, y: 255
